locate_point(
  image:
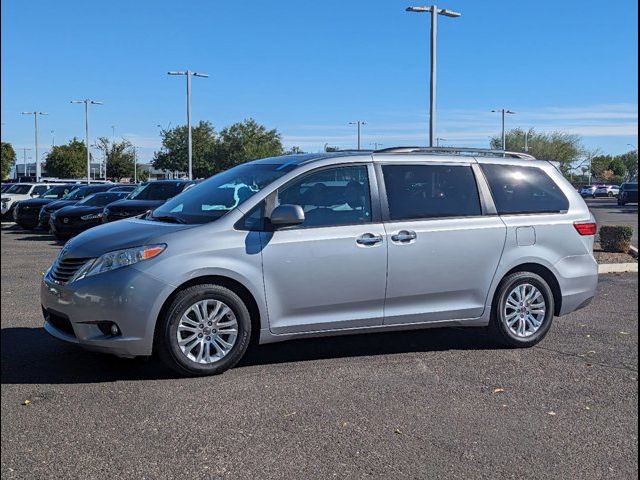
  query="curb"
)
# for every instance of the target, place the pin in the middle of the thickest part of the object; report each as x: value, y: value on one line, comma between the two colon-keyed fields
x: 617, y: 267
x: 633, y: 251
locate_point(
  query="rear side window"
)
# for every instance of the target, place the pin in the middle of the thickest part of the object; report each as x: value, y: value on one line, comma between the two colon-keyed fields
x: 431, y: 191
x: 519, y: 189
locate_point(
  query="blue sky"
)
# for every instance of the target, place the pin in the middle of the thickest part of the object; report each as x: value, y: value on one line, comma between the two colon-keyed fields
x: 309, y: 68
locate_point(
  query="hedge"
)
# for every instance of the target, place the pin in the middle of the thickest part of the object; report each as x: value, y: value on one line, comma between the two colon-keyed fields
x: 616, y: 238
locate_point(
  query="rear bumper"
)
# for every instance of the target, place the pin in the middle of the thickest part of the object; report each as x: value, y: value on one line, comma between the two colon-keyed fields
x: 578, y: 279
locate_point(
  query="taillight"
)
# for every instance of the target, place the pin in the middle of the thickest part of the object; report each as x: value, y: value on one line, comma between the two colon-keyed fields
x: 589, y: 228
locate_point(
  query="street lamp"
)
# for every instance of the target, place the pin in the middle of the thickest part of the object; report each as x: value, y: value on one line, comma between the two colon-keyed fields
x: 87, y: 102
x: 359, y: 123
x: 35, y: 122
x: 503, y: 112
x: 434, y: 11
x: 189, y: 74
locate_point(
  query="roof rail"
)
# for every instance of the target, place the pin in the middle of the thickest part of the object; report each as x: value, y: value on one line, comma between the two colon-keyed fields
x: 472, y: 152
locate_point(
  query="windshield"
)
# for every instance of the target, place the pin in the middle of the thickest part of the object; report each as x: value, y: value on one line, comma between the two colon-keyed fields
x: 216, y: 196
x: 56, y: 192
x: 19, y: 189
x: 157, y: 191
x: 101, y: 199
x: 79, y: 193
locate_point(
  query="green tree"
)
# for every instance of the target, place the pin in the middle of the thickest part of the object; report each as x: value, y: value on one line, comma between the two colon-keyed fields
x: 599, y: 165
x: 559, y: 147
x: 173, y: 154
x: 245, y: 141
x: 8, y: 159
x: 630, y: 160
x: 67, y: 161
x: 119, y: 157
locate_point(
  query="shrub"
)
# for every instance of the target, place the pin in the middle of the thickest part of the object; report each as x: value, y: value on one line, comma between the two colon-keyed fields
x: 616, y: 238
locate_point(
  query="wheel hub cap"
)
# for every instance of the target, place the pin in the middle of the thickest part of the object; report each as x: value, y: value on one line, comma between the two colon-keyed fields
x: 525, y: 310
x: 207, y: 331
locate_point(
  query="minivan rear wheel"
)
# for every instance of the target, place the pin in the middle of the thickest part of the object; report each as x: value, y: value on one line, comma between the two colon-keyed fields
x: 205, y: 331
x: 523, y: 310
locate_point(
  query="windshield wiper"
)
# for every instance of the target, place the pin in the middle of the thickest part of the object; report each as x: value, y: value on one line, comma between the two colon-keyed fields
x: 168, y: 219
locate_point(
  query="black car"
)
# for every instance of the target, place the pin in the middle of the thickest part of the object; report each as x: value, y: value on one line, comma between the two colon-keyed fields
x: 123, y: 188
x: 74, y: 219
x: 70, y: 199
x: 628, y: 193
x: 146, y: 197
x: 27, y: 212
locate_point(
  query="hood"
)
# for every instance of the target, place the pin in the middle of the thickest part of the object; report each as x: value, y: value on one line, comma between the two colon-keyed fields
x: 139, y: 206
x: 38, y: 202
x: 58, y: 204
x: 77, y: 210
x: 118, y: 235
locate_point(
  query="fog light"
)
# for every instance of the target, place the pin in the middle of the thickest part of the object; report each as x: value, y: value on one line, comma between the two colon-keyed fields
x: 109, y: 329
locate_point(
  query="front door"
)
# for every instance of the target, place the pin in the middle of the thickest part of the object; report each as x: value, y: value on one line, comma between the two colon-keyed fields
x: 443, y: 252
x: 329, y: 272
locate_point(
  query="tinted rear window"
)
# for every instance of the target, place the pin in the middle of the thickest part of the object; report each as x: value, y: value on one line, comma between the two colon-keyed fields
x: 519, y: 189
x: 431, y: 191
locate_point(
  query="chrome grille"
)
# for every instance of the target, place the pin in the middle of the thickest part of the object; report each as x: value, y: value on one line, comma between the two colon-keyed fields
x: 63, y: 269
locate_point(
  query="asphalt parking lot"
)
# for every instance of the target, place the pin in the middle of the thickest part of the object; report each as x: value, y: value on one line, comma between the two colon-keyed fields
x: 608, y: 212
x: 424, y: 404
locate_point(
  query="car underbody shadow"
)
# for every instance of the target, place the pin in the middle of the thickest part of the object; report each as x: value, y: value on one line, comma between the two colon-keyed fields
x: 31, y: 356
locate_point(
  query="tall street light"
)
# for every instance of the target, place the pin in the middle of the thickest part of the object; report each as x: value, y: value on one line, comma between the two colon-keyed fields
x: 189, y: 74
x: 359, y: 123
x: 504, y: 112
x: 35, y: 122
x: 87, y: 102
x: 434, y: 11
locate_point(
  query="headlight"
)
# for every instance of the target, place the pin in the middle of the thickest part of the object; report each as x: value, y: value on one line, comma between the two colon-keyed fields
x: 92, y: 216
x: 118, y: 259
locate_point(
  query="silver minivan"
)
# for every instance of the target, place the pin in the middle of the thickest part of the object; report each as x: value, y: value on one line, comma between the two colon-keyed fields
x: 328, y: 244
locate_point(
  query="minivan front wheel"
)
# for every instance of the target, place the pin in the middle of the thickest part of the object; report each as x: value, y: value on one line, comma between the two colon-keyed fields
x: 206, y: 331
x: 522, y: 312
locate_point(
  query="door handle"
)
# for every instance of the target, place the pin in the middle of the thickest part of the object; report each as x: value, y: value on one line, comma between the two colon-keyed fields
x: 368, y: 239
x: 404, y: 236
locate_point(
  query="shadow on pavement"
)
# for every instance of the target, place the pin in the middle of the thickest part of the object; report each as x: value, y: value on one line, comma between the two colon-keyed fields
x: 31, y: 356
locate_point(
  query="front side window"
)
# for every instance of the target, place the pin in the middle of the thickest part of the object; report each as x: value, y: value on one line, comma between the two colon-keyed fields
x: 431, y: 191
x: 521, y: 190
x: 331, y: 197
x: 20, y: 189
x: 40, y: 189
x: 56, y: 192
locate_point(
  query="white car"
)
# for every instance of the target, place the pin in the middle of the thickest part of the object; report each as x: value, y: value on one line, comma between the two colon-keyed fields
x: 21, y: 191
x: 607, y: 191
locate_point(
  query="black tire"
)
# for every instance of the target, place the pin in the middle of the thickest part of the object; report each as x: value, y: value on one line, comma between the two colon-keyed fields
x: 497, y: 324
x: 610, y: 194
x: 61, y: 238
x: 166, y: 346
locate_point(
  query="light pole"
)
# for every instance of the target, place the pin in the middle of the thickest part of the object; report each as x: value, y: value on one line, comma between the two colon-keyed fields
x: 434, y: 11
x: 24, y: 163
x: 359, y: 123
x: 87, y: 102
x: 53, y: 138
x: 35, y: 122
x: 189, y: 74
x: 504, y: 112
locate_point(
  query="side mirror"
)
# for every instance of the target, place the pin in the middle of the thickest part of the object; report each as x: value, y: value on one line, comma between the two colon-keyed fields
x: 286, y: 216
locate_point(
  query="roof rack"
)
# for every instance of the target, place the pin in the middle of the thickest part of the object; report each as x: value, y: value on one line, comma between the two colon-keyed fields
x: 472, y: 152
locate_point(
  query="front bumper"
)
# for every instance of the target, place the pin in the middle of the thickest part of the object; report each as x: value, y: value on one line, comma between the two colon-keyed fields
x: 74, y: 228
x: 130, y: 298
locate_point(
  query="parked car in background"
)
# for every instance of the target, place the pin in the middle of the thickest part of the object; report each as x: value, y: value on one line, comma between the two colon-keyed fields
x: 123, y: 188
x: 328, y: 244
x: 27, y: 212
x: 588, y: 191
x: 607, y: 191
x: 146, y: 197
x: 18, y: 192
x: 69, y: 199
x: 628, y: 193
x: 74, y: 219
